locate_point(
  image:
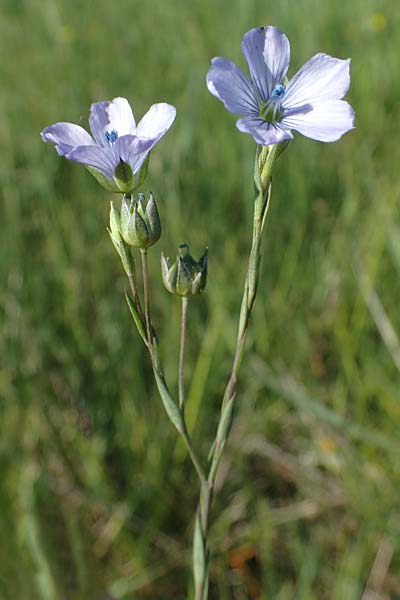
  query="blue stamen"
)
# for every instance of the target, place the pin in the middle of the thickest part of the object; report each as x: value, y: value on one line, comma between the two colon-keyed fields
x: 278, y: 91
x: 111, y: 136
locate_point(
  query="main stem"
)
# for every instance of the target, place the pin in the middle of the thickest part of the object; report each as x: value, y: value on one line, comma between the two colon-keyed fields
x: 264, y: 161
x: 181, y: 382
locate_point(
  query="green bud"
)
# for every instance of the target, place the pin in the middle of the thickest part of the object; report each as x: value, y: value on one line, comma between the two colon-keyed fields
x: 115, y: 221
x: 140, y: 224
x: 118, y: 242
x: 186, y: 277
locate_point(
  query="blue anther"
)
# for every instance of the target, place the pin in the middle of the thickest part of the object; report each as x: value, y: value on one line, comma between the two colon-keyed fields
x: 111, y: 136
x: 278, y: 91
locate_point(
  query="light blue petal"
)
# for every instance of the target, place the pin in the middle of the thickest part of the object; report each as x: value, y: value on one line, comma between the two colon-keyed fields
x: 267, y: 52
x: 276, y: 55
x: 156, y: 122
x: 322, y: 78
x: 229, y: 84
x: 326, y: 122
x: 264, y: 133
x: 95, y: 156
x: 111, y: 115
x: 253, y: 49
x: 98, y: 121
x: 66, y: 136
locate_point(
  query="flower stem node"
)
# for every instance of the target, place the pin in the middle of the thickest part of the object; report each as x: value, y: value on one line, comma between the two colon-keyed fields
x: 140, y: 224
x: 186, y: 277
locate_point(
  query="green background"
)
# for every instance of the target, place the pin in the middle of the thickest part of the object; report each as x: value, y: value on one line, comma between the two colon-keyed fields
x: 97, y: 496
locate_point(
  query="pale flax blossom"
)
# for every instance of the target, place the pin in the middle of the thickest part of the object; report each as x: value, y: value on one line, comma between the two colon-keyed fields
x: 118, y: 148
x: 311, y: 102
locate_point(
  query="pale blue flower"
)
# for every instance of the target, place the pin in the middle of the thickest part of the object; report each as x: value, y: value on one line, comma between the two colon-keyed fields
x: 116, y: 139
x: 311, y: 102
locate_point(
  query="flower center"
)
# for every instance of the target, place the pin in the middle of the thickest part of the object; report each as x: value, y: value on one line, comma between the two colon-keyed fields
x: 271, y: 111
x: 278, y: 91
x: 111, y: 136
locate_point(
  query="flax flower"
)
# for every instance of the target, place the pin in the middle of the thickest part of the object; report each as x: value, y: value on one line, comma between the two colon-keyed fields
x: 117, y: 150
x: 311, y: 102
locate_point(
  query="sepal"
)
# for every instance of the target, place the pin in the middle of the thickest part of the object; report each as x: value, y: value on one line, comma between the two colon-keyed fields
x: 124, y: 178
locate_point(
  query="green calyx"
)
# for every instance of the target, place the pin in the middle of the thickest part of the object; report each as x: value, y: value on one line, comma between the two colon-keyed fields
x: 186, y: 277
x: 123, y: 180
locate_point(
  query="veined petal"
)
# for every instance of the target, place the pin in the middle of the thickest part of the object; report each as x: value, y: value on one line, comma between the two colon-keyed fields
x: 156, y: 121
x: 133, y: 150
x: 120, y: 116
x: 276, y: 55
x: 66, y: 136
x: 264, y: 133
x: 253, y: 44
x: 94, y: 156
x: 98, y: 121
x: 323, y: 77
x: 229, y: 84
x: 326, y: 122
x: 111, y: 115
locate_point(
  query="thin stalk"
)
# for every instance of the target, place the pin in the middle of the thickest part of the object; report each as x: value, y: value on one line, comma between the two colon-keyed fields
x: 181, y: 382
x: 195, y: 460
x: 135, y: 295
x: 264, y: 161
x: 146, y: 295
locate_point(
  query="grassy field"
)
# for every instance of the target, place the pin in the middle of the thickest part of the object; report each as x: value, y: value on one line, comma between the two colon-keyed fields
x: 97, y: 496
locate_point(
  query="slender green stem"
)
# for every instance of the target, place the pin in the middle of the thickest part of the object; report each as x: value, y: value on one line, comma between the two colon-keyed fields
x: 146, y: 295
x: 181, y: 382
x: 135, y: 295
x: 195, y: 460
x: 264, y: 161
x: 132, y: 283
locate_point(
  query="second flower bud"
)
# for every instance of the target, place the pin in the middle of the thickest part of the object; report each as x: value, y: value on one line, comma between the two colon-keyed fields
x: 140, y: 222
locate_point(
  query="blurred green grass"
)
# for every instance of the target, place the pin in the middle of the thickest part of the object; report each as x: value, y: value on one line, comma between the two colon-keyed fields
x: 97, y: 497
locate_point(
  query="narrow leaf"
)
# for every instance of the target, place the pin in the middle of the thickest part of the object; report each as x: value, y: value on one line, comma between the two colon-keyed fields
x: 136, y: 317
x: 169, y: 404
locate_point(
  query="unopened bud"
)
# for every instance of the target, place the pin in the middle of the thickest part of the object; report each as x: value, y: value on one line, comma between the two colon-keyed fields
x: 140, y: 223
x: 115, y: 235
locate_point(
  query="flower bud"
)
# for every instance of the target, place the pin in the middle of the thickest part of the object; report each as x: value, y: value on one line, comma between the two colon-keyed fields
x: 115, y: 235
x: 186, y: 277
x: 140, y: 224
